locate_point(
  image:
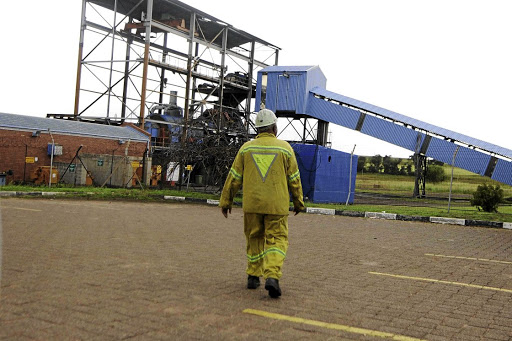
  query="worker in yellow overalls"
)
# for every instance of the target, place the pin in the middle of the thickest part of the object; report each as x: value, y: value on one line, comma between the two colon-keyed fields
x: 268, y: 169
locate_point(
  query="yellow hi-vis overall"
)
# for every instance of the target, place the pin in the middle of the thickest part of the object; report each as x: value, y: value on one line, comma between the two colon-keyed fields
x: 267, y: 168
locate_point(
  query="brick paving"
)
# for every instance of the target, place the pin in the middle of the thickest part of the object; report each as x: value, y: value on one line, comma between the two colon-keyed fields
x: 98, y: 270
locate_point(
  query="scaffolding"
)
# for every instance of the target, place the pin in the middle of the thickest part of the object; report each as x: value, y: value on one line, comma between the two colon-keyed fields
x: 165, y: 64
x: 131, y: 52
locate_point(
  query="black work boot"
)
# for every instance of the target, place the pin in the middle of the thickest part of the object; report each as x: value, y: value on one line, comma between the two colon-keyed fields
x: 253, y: 282
x: 272, y: 285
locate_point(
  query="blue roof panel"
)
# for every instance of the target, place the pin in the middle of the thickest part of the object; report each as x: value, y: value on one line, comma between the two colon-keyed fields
x: 489, y: 147
x: 277, y: 68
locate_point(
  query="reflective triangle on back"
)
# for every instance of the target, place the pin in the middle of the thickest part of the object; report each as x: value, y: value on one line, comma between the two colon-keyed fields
x: 263, y: 162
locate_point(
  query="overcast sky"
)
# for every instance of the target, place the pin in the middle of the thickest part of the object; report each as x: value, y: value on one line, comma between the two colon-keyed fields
x: 447, y: 62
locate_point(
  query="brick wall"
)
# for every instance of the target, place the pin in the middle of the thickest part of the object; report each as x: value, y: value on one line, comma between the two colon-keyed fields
x: 15, y: 145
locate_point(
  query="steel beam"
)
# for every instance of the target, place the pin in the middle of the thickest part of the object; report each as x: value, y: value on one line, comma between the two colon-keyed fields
x: 153, y: 45
x: 190, y: 61
x: 147, y: 23
x: 249, y: 86
x: 162, y: 77
x: 80, y: 53
x: 170, y: 29
x: 222, y: 74
x: 112, y: 58
x: 126, y: 75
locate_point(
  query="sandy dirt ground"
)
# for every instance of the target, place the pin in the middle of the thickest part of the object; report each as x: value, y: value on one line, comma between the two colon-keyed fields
x: 99, y: 270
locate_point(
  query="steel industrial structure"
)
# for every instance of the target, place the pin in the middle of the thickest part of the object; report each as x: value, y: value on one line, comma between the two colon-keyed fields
x: 132, y: 51
x: 138, y: 57
x: 299, y: 91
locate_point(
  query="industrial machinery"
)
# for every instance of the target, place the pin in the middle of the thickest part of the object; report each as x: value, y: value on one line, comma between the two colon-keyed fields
x: 210, y: 145
x: 41, y: 175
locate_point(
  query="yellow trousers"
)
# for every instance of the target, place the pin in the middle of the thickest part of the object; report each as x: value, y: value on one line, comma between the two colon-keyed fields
x: 267, y: 243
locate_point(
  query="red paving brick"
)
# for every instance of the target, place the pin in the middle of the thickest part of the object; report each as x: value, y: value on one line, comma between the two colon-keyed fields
x: 159, y: 271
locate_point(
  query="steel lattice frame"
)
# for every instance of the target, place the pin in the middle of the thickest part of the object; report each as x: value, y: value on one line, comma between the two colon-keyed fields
x: 136, y: 89
x: 126, y: 64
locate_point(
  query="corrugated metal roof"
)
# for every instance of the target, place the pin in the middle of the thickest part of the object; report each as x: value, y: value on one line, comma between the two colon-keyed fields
x: 489, y: 147
x: 31, y: 123
x: 210, y: 25
x: 277, y: 68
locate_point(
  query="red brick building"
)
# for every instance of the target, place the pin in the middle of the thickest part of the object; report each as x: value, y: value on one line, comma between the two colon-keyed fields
x: 84, y: 152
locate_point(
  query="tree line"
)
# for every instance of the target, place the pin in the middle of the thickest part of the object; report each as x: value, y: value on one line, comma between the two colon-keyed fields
x: 395, y: 166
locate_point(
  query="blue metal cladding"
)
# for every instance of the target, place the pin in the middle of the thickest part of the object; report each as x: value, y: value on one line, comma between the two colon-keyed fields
x: 307, y: 160
x: 288, y: 87
x: 325, y: 173
x: 391, y: 132
x: 271, y: 95
x: 503, y: 172
x: 296, y: 88
x: 441, y: 150
x: 472, y: 160
x: 293, y: 68
x: 290, y: 91
x: 332, y: 112
x: 466, y: 158
x: 333, y: 177
x: 413, y: 122
x: 315, y: 78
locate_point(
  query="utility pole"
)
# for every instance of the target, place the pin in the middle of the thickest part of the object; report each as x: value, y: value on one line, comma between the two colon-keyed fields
x: 51, y: 159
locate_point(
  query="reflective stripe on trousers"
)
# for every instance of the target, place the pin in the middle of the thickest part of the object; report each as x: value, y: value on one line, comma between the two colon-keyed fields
x: 267, y: 243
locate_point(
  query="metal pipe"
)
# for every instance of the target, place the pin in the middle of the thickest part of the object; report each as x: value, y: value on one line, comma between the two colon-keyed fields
x: 51, y: 159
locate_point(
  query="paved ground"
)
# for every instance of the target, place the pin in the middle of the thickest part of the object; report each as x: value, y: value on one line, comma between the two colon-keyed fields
x: 168, y: 271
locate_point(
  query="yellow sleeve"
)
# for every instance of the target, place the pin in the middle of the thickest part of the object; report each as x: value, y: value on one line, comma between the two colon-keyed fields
x: 233, y: 182
x: 294, y: 184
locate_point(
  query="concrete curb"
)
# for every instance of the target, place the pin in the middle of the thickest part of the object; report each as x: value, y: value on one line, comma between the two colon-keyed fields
x: 374, y: 215
x: 20, y: 194
x: 380, y: 215
x: 317, y: 210
x: 452, y: 221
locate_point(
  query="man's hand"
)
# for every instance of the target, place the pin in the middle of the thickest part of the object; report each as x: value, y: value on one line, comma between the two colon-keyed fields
x: 296, y: 210
x: 225, y: 212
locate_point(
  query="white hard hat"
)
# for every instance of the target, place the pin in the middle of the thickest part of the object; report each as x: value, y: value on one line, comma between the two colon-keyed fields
x: 265, y: 118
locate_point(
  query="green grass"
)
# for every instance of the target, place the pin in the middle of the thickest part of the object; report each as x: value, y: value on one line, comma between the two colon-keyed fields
x: 505, y: 212
x: 465, y: 183
x: 111, y: 193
